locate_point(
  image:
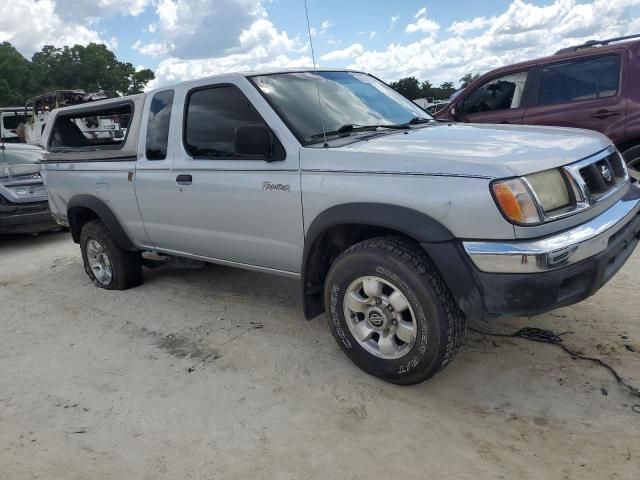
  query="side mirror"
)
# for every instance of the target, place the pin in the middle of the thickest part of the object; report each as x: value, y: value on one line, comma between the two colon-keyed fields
x: 254, y: 140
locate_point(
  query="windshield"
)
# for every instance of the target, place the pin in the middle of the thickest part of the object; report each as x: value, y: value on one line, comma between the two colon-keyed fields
x: 348, y: 98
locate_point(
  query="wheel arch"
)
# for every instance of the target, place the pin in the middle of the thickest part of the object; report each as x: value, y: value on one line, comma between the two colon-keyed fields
x: 84, y: 208
x: 338, y: 227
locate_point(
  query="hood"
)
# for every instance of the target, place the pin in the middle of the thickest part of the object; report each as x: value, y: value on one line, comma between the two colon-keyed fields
x: 475, y: 150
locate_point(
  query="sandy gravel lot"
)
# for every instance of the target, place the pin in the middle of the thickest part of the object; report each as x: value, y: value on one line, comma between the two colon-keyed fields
x: 213, y: 374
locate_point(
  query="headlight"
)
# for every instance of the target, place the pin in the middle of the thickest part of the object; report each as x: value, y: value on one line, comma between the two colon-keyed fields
x: 534, y: 198
x: 550, y: 188
x: 516, y: 201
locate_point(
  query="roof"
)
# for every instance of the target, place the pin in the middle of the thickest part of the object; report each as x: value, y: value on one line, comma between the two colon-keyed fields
x: 254, y: 73
x: 575, y: 53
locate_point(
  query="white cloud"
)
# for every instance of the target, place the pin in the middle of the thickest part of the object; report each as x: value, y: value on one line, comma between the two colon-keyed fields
x: 324, y: 26
x: 425, y: 25
x: 217, y: 36
x: 464, y: 26
x: 177, y: 70
x: 205, y: 28
x: 153, y: 49
x: 420, y: 12
x: 31, y: 24
x: 87, y: 9
x: 372, y: 34
x: 523, y: 31
x: 350, y: 52
x: 152, y: 28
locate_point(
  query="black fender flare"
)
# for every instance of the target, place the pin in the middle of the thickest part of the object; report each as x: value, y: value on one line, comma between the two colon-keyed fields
x: 103, y: 212
x: 412, y: 223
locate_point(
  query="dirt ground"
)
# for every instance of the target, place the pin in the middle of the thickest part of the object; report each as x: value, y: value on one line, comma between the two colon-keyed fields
x: 214, y: 374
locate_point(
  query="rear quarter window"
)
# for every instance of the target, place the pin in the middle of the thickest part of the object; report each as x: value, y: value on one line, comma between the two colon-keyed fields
x: 584, y: 79
x: 158, y: 125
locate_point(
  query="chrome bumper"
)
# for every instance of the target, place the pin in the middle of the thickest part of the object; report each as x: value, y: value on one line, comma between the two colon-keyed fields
x: 557, y: 251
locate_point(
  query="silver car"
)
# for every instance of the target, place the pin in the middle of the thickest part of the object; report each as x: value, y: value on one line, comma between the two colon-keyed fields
x: 23, y: 199
x: 398, y: 226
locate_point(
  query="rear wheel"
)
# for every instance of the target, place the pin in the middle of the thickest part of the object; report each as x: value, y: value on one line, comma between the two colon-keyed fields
x: 391, y: 312
x: 108, y: 264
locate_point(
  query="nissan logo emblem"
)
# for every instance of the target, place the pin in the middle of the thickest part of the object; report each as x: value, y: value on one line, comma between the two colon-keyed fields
x: 606, y: 173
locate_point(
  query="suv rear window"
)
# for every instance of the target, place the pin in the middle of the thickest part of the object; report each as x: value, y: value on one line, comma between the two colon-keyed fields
x: 580, y: 80
x: 100, y: 128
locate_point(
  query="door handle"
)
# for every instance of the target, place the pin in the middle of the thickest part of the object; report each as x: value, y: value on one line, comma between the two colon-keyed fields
x: 184, y: 179
x: 601, y: 114
x: 505, y: 122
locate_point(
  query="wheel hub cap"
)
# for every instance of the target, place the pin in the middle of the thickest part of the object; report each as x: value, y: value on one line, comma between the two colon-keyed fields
x: 377, y: 319
x: 380, y: 317
x: 99, y: 262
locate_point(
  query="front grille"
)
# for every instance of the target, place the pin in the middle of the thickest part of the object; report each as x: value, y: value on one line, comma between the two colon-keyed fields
x: 603, y: 176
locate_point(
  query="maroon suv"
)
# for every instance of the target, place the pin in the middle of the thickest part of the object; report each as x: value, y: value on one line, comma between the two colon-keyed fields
x: 595, y: 86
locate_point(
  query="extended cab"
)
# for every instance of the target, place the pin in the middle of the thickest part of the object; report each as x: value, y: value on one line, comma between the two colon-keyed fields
x: 397, y: 225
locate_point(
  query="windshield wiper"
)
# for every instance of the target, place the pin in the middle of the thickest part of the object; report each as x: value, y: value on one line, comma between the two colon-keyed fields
x: 417, y: 120
x: 352, y: 127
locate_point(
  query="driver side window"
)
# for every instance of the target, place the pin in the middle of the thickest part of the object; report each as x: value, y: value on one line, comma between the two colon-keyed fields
x: 501, y: 93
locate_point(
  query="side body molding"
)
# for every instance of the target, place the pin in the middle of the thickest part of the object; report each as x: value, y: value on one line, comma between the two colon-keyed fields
x: 77, y: 216
x: 412, y: 223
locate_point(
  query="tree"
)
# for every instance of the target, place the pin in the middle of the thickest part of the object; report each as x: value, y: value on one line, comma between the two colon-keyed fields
x: 446, y: 89
x: 91, y: 68
x: 409, y: 87
x: 467, y: 79
x: 16, y: 79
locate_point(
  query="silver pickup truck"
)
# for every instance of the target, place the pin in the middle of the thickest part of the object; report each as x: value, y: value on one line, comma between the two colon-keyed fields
x: 397, y: 225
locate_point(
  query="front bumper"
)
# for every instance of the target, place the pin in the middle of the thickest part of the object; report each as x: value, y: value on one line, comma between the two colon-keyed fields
x: 532, y: 277
x: 26, y: 218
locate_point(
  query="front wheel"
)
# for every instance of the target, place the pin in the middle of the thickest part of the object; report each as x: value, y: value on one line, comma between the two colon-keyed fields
x: 391, y: 312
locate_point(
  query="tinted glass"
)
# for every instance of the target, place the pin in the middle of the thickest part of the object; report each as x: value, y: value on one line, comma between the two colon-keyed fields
x: 11, y: 122
x: 502, y: 93
x: 580, y: 80
x: 609, y: 76
x: 158, y: 125
x: 212, y: 117
x: 347, y: 98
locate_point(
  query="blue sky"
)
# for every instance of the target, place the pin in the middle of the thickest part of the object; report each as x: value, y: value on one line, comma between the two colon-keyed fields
x: 437, y: 40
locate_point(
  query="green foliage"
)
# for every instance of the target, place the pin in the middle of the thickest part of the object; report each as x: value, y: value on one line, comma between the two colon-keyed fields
x: 468, y: 79
x: 16, y: 77
x: 91, y: 68
x: 411, y: 88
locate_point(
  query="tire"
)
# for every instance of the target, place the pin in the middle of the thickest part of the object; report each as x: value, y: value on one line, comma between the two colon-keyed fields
x: 407, y: 277
x: 101, y: 254
x: 632, y: 157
